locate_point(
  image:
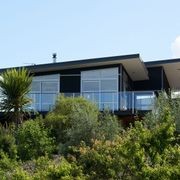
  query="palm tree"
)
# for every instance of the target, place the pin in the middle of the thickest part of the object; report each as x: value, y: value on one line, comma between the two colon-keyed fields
x: 15, y: 85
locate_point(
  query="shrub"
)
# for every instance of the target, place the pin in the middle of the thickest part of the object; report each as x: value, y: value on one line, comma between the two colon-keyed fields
x: 84, y: 124
x: 163, y: 103
x: 69, y: 107
x: 73, y: 120
x: 33, y: 140
x: 56, y: 168
x: 57, y: 124
x: 108, y: 126
x: 76, y: 119
x: 7, y: 166
x: 7, y: 142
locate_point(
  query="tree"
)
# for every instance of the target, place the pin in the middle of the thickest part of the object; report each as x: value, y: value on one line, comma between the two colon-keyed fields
x: 76, y: 119
x: 15, y: 85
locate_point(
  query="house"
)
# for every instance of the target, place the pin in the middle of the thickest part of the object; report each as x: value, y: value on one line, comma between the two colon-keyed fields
x: 124, y: 84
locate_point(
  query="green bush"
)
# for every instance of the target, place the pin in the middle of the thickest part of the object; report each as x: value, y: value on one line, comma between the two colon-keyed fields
x: 45, y: 168
x: 162, y: 103
x: 57, y: 124
x: 84, y: 123
x: 58, y: 168
x: 42, y: 168
x: 7, y: 142
x: 7, y: 166
x: 108, y: 126
x: 33, y: 140
x: 71, y: 115
x: 76, y: 119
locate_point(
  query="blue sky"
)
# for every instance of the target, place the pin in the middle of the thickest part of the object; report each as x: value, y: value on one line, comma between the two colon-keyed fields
x: 30, y: 31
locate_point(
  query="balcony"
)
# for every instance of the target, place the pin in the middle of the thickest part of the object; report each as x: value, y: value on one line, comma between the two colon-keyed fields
x: 131, y: 101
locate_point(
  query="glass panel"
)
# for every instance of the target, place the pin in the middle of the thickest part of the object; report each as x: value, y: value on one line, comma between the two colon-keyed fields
x: 37, y: 107
x: 90, y: 86
x: 35, y: 97
x: 144, y: 102
x: 48, y: 98
x: 94, y: 97
x: 49, y: 87
x: 124, y: 101
x: 48, y: 101
x: 109, y: 73
x: 109, y: 100
x: 54, y: 77
x: 109, y: 85
x: 47, y: 107
x: 94, y: 74
x: 110, y: 106
x: 36, y: 86
x: 107, y: 97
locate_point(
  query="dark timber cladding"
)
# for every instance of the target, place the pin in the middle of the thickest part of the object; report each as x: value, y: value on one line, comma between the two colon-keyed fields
x: 166, y: 85
x: 155, y: 81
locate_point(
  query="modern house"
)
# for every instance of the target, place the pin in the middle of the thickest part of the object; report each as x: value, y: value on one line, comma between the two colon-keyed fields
x: 124, y: 84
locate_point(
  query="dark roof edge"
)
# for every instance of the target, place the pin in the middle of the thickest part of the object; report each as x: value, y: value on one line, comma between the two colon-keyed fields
x: 160, y: 62
x: 76, y: 62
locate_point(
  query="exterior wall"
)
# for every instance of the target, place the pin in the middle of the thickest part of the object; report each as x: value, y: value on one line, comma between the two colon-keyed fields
x: 166, y: 85
x: 155, y: 81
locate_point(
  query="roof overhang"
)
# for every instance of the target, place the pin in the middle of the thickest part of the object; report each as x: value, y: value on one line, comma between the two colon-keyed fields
x: 136, y: 69
x: 172, y: 71
x: 132, y: 63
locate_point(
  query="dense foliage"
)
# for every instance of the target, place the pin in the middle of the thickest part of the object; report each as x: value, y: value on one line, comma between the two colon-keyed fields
x: 138, y: 152
x: 33, y: 140
x: 8, y: 142
x: 76, y: 120
x: 76, y: 141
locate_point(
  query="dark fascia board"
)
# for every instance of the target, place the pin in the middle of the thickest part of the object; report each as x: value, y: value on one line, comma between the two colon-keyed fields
x: 161, y: 62
x: 71, y: 64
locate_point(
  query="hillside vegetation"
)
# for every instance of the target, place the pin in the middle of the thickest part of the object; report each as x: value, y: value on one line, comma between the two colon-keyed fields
x: 76, y: 141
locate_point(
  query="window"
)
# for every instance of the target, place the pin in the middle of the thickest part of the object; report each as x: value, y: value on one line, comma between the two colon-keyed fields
x: 44, y: 90
x: 101, y: 87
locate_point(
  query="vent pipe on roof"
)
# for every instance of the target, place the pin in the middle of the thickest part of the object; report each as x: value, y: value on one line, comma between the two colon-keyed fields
x: 54, y: 57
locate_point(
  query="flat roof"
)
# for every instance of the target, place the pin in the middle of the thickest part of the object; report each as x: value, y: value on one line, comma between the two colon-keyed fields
x: 132, y: 63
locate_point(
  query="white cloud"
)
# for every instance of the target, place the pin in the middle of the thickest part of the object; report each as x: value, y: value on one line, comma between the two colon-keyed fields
x: 175, y: 47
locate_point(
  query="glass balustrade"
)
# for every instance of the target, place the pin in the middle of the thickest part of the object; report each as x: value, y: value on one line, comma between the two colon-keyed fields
x: 122, y: 101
